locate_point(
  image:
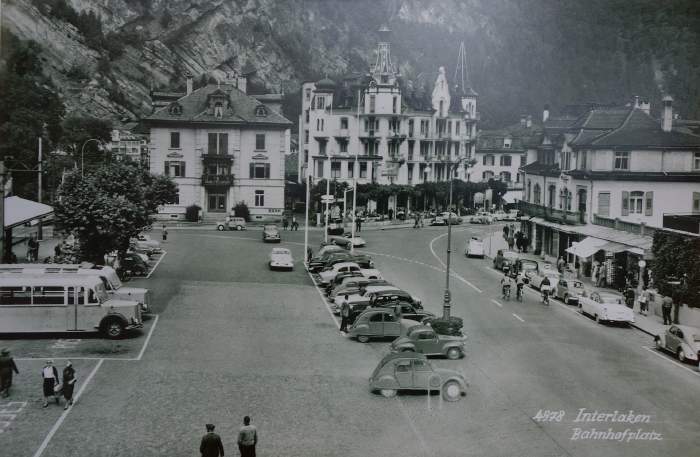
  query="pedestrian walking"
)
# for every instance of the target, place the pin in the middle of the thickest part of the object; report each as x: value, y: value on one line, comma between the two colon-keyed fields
x: 344, y: 314
x: 295, y: 224
x: 666, y: 305
x: 505, y: 232
x: 629, y: 297
x: 511, y: 242
x: 359, y: 225
x: 309, y: 254
x: 644, y: 302
x: 560, y: 264
x: 211, y: 445
x: 602, y: 276
x: 7, y: 366
x: 32, y: 249
x: 247, y: 438
x: 51, y: 382
x: 57, y: 250
x: 165, y: 234
x: 285, y: 223
x: 68, y: 383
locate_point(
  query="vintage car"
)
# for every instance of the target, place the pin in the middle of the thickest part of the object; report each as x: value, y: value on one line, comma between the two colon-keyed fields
x: 357, y: 242
x: 271, y: 233
x: 681, y: 340
x: 438, y: 220
x: 525, y: 268
x: 388, y: 297
x: 335, y: 227
x: 145, y: 245
x: 474, y: 248
x: 505, y: 259
x: 327, y: 248
x: 569, y: 290
x: 135, y: 263
x: 413, y: 371
x: 340, y: 241
x: 352, y: 285
x: 499, y: 215
x: 511, y: 215
x: 482, y: 217
x: 231, y: 223
x: 360, y: 301
x: 321, y: 262
x: 281, y: 258
x: 536, y: 277
x: 451, y: 218
x: 606, y: 307
x: 425, y: 340
x: 327, y: 276
x: 378, y: 323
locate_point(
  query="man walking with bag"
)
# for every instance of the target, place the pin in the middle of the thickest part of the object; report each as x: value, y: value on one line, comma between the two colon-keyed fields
x: 247, y: 438
x: 211, y: 445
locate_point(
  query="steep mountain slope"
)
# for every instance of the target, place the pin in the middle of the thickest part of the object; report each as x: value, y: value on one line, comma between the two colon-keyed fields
x: 522, y: 53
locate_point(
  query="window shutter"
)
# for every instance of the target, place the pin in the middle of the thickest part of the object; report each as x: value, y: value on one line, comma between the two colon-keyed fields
x: 252, y: 170
x: 182, y: 169
x: 625, y: 202
x: 167, y: 170
x: 267, y: 171
x: 648, y: 211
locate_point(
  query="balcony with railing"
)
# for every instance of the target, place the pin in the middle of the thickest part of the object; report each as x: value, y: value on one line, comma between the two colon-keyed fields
x: 220, y: 180
x: 550, y: 214
x: 208, y: 157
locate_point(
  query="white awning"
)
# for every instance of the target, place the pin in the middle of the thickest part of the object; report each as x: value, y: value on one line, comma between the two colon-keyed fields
x: 512, y: 196
x: 19, y: 210
x: 587, y: 247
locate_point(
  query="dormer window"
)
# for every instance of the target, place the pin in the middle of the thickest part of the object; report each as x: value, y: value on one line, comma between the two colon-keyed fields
x: 261, y: 111
x: 507, y: 142
x: 175, y: 109
x: 218, y: 110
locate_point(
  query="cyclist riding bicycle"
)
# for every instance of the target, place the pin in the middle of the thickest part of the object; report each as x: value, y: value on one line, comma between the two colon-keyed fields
x: 506, y: 282
x: 545, y: 287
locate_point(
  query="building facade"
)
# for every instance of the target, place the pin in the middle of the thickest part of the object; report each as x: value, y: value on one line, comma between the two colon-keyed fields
x: 603, y: 181
x: 365, y: 128
x: 221, y: 147
x: 129, y: 145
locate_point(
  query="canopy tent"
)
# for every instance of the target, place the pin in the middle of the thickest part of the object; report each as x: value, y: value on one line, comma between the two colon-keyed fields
x: 19, y: 211
x: 587, y: 247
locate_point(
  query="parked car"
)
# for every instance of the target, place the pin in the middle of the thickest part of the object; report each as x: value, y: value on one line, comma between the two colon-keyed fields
x: 474, y: 248
x: 681, y: 340
x: 335, y: 227
x: 451, y: 218
x: 482, y: 217
x: 536, y: 277
x: 569, y: 290
x: 145, y: 245
x: 413, y: 371
x: 505, y: 259
x: 499, y: 215
x: 326, y: 276
x: 438, y: 220
x: 376, y: 297
x: 406, y: 309
x: 271, y: 233
x: 281, y: 258
x: 350, y: 286
x: 328, y: 248
x: 357, y: 242
x: 133, y: 262
x: 231, y: 223
x: 525, y: 268
x: 378, y: 323
x: 340, y: 277
x: 606, y: 307
x: 513, y: 215
x: 320, y: 262
x: 423, y: 339
x: 340, y: 241
x: 360, y: 301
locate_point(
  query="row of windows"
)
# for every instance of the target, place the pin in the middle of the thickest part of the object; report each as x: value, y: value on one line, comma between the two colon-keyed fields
x: 504, y: 160
x: 217, y: 142
x: 336, y: 169
x: 176, y: 169
x: 45, y: 295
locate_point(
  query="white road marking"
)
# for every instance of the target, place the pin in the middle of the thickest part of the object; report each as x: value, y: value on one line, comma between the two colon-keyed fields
x: 518, y: 317
x: 63, y: 416
x: 453, y: 274
x: 496, y: 302
x: 156, y: 265
x: 148, y: 338
x: 8, y: 413
x: 678, y: 364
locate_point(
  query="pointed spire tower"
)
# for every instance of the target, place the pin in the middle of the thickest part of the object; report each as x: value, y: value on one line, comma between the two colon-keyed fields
x: 463, y: 88
x: 383, y: 72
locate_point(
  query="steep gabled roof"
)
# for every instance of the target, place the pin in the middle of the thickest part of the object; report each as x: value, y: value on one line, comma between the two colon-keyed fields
x: 242, y: 108
x: 602, y: 118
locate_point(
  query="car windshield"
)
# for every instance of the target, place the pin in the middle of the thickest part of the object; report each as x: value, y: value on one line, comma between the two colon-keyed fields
x: 270, y: 227
x: 608, y: 298
x: 280, y: 252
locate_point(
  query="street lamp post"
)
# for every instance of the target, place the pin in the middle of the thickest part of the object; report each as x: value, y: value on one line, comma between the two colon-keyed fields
x: 306, y: 215
x: 82, y: 154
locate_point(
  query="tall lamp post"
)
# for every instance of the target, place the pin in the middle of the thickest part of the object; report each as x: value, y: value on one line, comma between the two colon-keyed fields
x: 82, y: 154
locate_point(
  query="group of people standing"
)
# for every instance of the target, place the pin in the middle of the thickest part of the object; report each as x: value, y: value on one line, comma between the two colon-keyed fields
x: 515, y: 238
x: 212, y: 446
x: 292, y: 225
x: 55, y: 386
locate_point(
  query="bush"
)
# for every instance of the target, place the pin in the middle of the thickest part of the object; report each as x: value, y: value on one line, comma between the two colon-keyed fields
x: 192, y: 213
x: 452, y: 326
x: 241, y: 210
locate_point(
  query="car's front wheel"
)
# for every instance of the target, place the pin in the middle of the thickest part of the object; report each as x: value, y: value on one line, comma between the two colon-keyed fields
x: 239, y: 227
x: 388, y: 393
x: 451, y: 391
x: 454, y: 353
x: 566, y: 299
x: 363, y: 338
x: 220, y: 228
x: 681, y: 355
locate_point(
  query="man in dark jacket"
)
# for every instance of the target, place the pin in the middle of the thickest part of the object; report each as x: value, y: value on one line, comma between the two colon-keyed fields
x: 211, y: 444
x: 7, y: 366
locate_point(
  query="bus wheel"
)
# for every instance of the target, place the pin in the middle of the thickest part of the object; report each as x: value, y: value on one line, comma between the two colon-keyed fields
x: 114, y: 329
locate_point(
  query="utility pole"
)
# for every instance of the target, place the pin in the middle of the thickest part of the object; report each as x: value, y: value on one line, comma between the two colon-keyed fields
x: 328, y: 191
x: 306, y: 217
x: 447, y: 305
x: 40, y: 231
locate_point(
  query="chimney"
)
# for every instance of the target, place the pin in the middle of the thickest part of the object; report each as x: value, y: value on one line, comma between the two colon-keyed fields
x: 667, y: 119
x: 523, y: 121
x: 188, y: 75
x: 528, y: 123
x: 545, y: 114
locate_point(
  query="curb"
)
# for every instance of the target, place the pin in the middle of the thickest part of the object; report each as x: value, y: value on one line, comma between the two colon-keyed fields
x: 642, y: 329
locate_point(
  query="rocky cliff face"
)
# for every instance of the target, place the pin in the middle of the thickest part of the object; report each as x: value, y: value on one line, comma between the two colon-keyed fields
x: 521, y: 54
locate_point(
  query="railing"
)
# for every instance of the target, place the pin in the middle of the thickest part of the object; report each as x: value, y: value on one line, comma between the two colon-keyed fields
x: 217, y: 180
x: 553, y: 214
x: 630, y: 227
x: 209, y: 156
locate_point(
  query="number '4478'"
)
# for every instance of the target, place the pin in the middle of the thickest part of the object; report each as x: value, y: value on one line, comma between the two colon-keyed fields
x: 546, y: 415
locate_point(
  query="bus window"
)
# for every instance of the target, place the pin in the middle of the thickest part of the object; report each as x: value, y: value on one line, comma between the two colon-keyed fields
x: 15, y: 295
x: 48, y: 295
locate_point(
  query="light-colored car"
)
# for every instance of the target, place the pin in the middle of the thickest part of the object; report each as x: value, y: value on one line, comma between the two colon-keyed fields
x: 438, y: 220
x: 328, y: 248
x: 500, y: 216
x: 327, y: 276
x: 536, y: 277
x: 378, y: 323
x: 482, y: 217
x: 143, y: 243
x: 357, y: 242
x: 231, y: 223
x: 681, y: 340
x: 423, y: 339
x: 451, y: 217
x: 474, y: 248
x: 413, y: 371
x: 271, y: 233
x: 606, y: 307
x: 569, y: 290
x: 281, y: 258
x: 505, y: 259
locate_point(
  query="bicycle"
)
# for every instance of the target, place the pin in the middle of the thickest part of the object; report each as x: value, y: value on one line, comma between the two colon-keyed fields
x: 519, y: 292
x: 545, y: 296
x: 506, y: 292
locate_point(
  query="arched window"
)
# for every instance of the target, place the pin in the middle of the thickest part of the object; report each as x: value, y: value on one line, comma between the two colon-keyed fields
x: 536, y: 196
x: 565, y: 200
x: 505, y: 176
x: 260, y: 111
x: 551, y: 195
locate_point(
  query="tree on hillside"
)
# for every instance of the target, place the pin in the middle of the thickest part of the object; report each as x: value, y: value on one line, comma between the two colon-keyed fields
x: 107, y: 207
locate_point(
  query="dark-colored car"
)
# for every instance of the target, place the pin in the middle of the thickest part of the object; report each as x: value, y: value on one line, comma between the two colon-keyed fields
x: 335, y: 227
x: 378, y: 323
x: 134, y: 263
x: 505, y: 258
x: 319, y: 263
x: 413, y: 371
x: 425, y: 340
x: 525, y: 268
x: 271, y: 233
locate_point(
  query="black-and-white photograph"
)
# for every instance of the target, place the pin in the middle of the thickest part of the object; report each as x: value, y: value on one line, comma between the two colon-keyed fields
x: 398, y: 228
